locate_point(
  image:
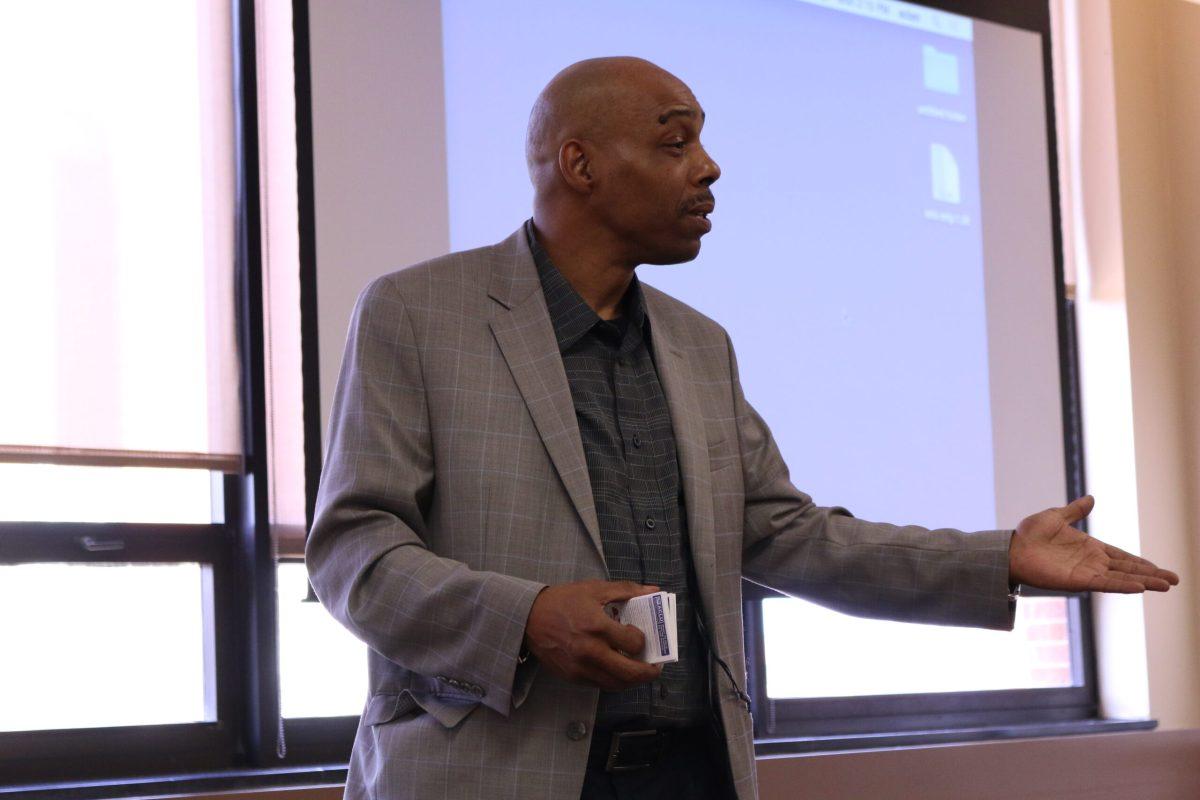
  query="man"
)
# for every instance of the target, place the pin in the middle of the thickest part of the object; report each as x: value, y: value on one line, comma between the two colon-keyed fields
x: 523, y: 433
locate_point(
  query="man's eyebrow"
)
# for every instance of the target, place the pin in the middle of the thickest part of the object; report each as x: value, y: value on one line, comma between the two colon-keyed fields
x: 678, y: 112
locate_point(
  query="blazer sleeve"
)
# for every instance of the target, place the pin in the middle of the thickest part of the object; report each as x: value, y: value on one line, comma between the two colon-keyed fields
x: 870, y: 569
x: 367, y: 555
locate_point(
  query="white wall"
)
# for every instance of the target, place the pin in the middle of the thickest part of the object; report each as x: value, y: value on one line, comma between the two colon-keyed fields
x: 1129, y: 79
x: 1156, y: 56
x: 378, y: 108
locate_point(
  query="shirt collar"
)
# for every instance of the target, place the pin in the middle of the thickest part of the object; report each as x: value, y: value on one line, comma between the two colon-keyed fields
x: 570, y: 314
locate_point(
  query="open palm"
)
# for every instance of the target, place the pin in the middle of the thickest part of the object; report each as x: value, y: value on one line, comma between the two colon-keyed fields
x: 1048, y: 553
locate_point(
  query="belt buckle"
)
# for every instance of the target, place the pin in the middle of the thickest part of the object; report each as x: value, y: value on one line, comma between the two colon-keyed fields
x: 620, y: 738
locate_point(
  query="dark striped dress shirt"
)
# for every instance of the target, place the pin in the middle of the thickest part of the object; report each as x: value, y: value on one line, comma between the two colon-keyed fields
x: 630, y: 449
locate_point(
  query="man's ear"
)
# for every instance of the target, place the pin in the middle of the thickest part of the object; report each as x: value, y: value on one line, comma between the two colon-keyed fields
x: 575, y: 165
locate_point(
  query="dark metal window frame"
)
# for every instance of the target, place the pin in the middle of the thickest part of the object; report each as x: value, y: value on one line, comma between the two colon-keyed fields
x: 29, y: 756
x: 248, y: 737
x: 250, y: 744
x: 846, y: 722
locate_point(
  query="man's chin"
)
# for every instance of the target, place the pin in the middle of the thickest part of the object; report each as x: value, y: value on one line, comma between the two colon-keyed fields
x: 676, y: 255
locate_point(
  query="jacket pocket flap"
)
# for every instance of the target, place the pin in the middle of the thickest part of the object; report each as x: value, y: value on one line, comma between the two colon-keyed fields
x: 383, y: 708
x: 447, y: 711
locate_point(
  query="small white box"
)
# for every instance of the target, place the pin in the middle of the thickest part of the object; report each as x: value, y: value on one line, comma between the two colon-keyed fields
x: 654, y: 616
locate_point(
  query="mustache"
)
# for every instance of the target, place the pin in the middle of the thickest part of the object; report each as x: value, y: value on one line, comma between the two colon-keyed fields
x: 699, y: 200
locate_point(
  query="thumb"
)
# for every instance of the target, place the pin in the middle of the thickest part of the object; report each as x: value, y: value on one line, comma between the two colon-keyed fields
x: 1078, y: 508
x: 610, y: 591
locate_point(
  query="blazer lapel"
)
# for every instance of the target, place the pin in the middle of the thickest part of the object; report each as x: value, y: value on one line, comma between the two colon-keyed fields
x: 521, y: 325
x: 691, y: 442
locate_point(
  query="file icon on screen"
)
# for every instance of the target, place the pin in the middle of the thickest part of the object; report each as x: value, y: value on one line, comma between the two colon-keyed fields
x: 944, y: 170
x: 941, y: 70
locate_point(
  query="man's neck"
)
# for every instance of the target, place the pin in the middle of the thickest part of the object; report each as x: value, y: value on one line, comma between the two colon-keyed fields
x: 600, y: 279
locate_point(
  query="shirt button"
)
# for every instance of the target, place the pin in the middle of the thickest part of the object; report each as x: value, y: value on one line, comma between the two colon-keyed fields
x: 576, y: 730
x: 662, y: 691
x: 650, y: 523
x: 637, y: 440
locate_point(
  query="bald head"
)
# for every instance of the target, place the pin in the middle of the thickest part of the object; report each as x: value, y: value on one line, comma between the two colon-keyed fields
x: 592, y: 100
x: 617, y: 166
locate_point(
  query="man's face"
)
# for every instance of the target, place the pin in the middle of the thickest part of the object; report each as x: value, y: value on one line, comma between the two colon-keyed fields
x: 654, y: 175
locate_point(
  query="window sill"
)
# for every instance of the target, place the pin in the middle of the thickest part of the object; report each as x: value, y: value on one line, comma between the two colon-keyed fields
x: 335, y: 774
x: 233, y: 780
x: 873, y: 741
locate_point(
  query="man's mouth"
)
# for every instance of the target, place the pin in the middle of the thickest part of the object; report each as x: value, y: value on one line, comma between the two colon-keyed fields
x: 702, y: 210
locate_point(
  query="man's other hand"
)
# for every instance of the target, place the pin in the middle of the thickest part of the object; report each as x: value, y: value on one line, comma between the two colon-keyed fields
x: 572, y: 637
x: 1048, y: 553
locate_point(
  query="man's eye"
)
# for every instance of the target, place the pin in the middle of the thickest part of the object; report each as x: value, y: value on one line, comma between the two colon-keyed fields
x: 680, y: 145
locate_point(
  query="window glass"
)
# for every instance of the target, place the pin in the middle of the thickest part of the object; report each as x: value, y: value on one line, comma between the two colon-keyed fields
x: 55, y: 493
x: 322, y: 667
x: 89, y: 645
x: 814, y: 652
x: 116, y: 255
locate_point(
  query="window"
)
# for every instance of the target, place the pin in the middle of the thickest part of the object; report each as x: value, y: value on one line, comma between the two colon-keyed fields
x: 154, y: 456
x: 146, y: 660
x: 161, y: 454
x: 849, y: 678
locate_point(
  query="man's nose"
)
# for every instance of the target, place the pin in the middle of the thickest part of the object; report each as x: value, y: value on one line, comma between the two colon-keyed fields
x: 709, y: 171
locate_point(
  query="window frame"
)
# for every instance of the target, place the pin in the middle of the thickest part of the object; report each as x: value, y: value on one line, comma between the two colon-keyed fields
x: 842, y: 723
x: 833, y: 723
x: 249, y: 735
x: 812, y: 724
x: 30, y: 756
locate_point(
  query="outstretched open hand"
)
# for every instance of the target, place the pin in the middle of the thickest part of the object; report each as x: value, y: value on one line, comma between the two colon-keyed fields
x: 1048, y: 553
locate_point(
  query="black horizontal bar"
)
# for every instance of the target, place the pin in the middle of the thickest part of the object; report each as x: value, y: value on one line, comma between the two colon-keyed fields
x: 41, y: 542
x: 183, y: 784
x: 946, y: 702
x: 873, y: 741
x: 134, y: 750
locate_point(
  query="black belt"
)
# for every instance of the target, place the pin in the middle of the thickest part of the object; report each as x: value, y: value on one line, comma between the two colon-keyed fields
x: 627, y: 750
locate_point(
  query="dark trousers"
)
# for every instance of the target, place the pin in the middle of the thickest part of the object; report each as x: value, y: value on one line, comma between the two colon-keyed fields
x: 697, y: 768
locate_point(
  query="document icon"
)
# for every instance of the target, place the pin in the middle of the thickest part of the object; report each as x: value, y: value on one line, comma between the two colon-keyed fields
x: 944, y: 170
x: 941, y: 70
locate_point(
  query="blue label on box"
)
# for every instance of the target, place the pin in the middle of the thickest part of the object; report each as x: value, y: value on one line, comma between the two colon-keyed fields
x: 660, y: 624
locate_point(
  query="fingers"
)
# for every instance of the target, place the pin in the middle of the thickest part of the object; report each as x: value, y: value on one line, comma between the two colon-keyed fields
x: 1168, y: 576
x: 574, y: 637
x: 1142, y: 567
x: 1114, y: 583
x: 1078, y: 508
x: 1156, y: 584
x: 613, y: 591
x: 1126, y: 562
x: 625, y: 638
x: 1133, y: 566
x: 613, y: 671
x: 1127, y: 582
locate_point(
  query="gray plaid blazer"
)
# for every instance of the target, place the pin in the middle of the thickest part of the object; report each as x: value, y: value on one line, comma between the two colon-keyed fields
x: 455, y: 488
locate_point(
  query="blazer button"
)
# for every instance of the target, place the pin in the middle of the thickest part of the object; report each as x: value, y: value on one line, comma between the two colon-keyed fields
x: 577, y: 730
